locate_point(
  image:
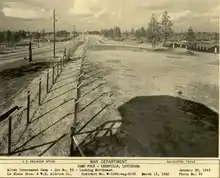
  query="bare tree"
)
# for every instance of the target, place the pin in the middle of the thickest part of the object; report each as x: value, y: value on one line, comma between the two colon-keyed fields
x: 125, y: 34
x: 13, y: 42
x: 166, y: 26
x: 17, y: 36
x: 38, y: 35
x: 140, y: 33
x: 132, y: 32
x: 117, y: 32
x: 190, y: 38
x: 43, y: 35
x: 1, y: 39
x: 153, y: 30
x: 8, y: 35
x: 216, y: 38
x: 111, y: 33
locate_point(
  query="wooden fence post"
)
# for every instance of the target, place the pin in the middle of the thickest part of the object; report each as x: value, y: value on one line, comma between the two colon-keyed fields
x: 76, y: 109
x: 28, y: 107
x: 78, y: 88
x: 60, y: 63
x: 53, y: 76
x: 126, y: 151
x: 63, y: 61
x: 64, y: 53
x: 9, y: 135
x: 39, y: 99
x: 30, y: 51
x: 48, y: 81
x: 72, y: 144
x: 57, y: 70
x: 61, y: 66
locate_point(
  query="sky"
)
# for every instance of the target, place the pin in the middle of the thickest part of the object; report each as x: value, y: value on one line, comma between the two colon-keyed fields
x: 202, y: 15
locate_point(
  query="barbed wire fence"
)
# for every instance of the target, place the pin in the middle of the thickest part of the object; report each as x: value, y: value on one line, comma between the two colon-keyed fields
x: 74, y: 143
x: 34, y: 98
x: 77, y: 147
x: 36, y: 93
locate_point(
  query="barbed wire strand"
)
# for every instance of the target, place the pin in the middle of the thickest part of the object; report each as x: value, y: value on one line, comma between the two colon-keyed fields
x: 27, y: 83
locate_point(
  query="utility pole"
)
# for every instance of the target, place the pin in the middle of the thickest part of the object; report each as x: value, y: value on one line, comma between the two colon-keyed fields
x: 30, y: 49
x: 66, y: 35
x: 74, y: 31
x: 54, y: 34
x: 152, y: 30
x: 38, y: 38
x: 217, y: 37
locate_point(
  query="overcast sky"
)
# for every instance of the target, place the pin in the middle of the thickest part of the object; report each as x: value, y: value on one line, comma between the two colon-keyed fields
x: 202, y: 15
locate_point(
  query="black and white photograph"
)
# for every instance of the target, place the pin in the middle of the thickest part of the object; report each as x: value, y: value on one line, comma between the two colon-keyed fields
x: 109, y: 78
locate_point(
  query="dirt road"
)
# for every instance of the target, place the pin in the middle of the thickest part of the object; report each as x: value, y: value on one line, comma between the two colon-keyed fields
x: 16, y: 72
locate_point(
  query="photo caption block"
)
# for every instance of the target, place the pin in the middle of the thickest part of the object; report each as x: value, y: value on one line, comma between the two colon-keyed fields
x: 108, y: 167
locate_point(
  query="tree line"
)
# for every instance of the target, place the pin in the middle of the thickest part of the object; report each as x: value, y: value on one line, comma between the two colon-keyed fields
x: 156, y: 31
x: 112, y: 32
x: 8, y: 36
